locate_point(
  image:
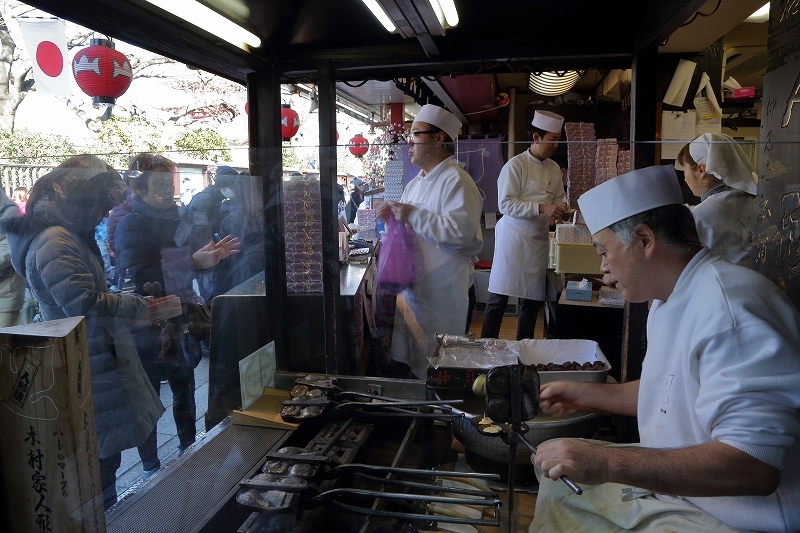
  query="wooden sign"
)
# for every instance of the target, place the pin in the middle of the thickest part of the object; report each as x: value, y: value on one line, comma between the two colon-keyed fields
x: 49, y: 464
x: 776, y: 239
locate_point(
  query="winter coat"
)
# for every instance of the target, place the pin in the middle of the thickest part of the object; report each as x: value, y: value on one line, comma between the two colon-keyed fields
x: 352, y: 206
x: 145, y: 246
x: 238, y: 268
x: 114, y: 217
x: 204, y: 212
x: 12, y: 285
x: 65, y: 275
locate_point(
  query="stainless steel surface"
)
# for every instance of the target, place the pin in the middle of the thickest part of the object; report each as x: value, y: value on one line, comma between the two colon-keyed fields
x: 407, y: 389
x: 190, y: 492
x: 350, y: 276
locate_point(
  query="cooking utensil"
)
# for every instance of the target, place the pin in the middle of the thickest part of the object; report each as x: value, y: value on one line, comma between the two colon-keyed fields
x: 516, y: 437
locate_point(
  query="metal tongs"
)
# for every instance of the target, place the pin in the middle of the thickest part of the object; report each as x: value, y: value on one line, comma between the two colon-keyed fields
x: 347, y: 403
x: 480, y: 499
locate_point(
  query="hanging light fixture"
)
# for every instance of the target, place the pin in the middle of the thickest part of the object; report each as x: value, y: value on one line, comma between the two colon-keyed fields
x: 290, y: 122
x: 358, y: 146
x: 209, y: 20
x: 552, y: 83
x: 102, y: 72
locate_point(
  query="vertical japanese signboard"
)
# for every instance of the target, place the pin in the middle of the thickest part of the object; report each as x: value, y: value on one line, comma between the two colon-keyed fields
x: 49, y: 461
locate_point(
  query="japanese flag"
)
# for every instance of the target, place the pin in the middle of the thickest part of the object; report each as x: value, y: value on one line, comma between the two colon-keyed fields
x: 46, y: 44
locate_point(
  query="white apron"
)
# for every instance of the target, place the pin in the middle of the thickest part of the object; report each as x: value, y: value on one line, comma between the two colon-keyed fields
x: 601, y: 509
x: 520, y: 257
x: 522, y: 243
x: 438, y: 302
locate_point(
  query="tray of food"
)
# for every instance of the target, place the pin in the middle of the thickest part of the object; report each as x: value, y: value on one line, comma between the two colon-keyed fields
x: 555, y: 359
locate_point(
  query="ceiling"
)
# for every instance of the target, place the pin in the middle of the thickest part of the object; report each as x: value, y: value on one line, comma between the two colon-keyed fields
x: 493, y: 47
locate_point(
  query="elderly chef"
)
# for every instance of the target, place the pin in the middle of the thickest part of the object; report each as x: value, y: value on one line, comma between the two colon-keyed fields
x: 717, y: 170
x: 717, y: 402
x: 442, y: 205
x: 529, y: 192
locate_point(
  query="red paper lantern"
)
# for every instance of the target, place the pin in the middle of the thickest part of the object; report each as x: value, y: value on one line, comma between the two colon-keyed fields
x: 102, y: 72
x: 358, y: 145
x: 290, y: 122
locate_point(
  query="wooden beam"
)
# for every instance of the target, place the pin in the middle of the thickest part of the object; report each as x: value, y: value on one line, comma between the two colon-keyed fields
x: 335, y: 362
x: 660, y: 19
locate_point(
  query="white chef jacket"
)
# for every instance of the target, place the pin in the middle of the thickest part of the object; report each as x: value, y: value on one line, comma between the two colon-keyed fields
x: 723, y: 365
x: 447, y: 224
x: 724, y: 221
x: 522, y: 241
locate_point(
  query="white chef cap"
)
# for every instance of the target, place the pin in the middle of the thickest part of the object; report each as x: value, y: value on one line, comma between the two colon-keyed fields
x: 547, y: 121
x: 441, y: 118
x: 629, y: 194
x: 725, y: 159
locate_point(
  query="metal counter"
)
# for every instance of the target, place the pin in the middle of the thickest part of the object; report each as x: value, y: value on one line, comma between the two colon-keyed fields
x: 190, y: 492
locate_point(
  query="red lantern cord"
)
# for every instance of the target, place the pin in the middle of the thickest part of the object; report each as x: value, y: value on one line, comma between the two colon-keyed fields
x: 102, y: 72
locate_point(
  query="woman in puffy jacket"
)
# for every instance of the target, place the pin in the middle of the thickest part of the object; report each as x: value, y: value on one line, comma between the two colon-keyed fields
x: 53, y: 247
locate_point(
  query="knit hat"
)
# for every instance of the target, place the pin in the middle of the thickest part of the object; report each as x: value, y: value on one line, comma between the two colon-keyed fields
x: 224, y: 176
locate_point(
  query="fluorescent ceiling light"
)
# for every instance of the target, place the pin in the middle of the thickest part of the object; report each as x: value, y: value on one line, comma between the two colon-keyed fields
x: 761, y: 15
x: 380, y: 14
x: 551, y: 84
x: 209, y: 20
x: 449, y: 10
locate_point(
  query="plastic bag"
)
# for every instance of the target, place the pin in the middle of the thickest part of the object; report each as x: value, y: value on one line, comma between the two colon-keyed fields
x: 399, y: 265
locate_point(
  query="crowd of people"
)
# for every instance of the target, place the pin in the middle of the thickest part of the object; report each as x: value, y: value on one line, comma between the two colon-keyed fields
x: 83, y: 216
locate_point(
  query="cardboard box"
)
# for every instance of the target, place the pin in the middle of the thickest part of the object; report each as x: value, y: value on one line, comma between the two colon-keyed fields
x: 576, y: 259
x: 742, y: 92
x: 575, y: 293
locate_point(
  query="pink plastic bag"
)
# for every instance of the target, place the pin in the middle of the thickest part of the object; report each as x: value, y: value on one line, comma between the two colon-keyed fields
x: 399, y: 264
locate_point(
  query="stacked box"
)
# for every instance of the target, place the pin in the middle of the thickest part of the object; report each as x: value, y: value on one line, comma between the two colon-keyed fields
x: 303, y: 235
x: 581, y: 155
x: 606, y: 160
x: 623, y: 162
x: 393, y: 180
x: 366, y: 218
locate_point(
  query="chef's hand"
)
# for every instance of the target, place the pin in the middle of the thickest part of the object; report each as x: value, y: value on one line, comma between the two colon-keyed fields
x: 559, y: 398
x: 400, y: 211
x: 584, y: 462
x: 551, y: 210
x: 384, y: 212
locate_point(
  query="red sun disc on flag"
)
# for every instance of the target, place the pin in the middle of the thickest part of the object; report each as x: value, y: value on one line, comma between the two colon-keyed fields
x: 49, y: 58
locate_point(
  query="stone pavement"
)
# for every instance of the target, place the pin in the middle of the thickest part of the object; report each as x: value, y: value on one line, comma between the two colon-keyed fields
x: 129, y: 475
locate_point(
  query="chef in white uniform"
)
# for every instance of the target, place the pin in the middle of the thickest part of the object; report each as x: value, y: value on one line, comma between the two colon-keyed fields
x: 718, y: 399
x: 530, y: 192
x: 443, y: 206
x: 717, y: 170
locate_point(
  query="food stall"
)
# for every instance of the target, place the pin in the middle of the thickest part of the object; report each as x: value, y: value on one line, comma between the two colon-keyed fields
x: 308, y: 317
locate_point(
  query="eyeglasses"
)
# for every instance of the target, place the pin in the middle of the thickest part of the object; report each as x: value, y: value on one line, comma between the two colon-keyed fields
x: 415, y: 134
